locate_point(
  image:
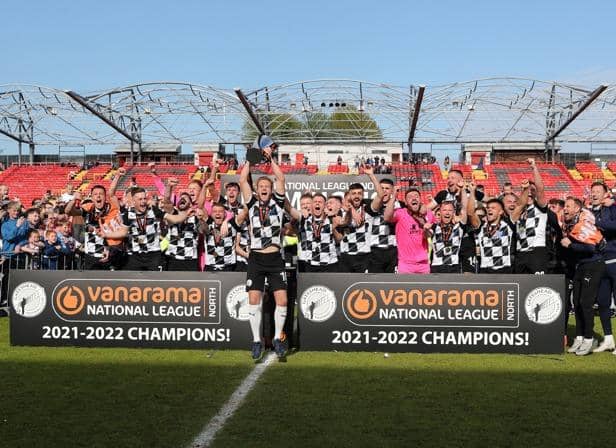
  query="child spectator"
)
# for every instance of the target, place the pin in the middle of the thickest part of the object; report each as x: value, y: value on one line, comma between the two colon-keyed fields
x: 69, y: 245
x: 51, y: 251
x: 32, y: 248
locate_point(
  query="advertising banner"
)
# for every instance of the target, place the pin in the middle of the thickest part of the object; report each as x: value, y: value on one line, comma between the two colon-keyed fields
x: 129, y: 309
x: 435, y: 313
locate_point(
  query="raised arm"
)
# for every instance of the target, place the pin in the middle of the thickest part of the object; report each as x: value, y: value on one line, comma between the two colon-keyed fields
x: 377, y: 201
x: 245, y: 186
x: 292, y: 211
x: 72, y: 207
x: 170, y: 184
x: 463, y: 217
x: 522, y: 202
x: 279, y: 186
x: 471, y: 208
x: 212, y: 181
x: 540, y: 188
x: 388, y: 214
x: 116, y: 180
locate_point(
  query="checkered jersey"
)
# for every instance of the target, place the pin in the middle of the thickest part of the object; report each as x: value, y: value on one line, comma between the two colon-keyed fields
x: 356, y: 240
x: 317, y: 241
x: 244, y: 241
x: 383, y: 234
x: 269, y: 231
x: 446, y: 252
x: 183, y: 239
x: 93, y: 244
x: 235, y: 209
x: 219, y: 251
x: 496, y: 249
x: 143, y: 230
x: 531, y: 228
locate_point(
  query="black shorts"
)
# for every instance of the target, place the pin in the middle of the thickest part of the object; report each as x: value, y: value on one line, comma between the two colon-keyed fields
x: 149, y: 261
x: 445, y: 269
x: 505, y: 270
x: 91, y: 263
x: 227, y: 268
x: 325, y: 268
x: 262, y: 266
x: 174, y: 264
x: 354, y: 263
x: 534, y: 262
x: 383, y: 260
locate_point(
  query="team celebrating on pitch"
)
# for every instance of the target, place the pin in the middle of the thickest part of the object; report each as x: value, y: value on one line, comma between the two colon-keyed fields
x: 253, y: 228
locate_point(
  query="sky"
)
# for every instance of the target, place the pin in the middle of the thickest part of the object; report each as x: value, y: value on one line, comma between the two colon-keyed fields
x: 92, y: 45
x: 95, y: 45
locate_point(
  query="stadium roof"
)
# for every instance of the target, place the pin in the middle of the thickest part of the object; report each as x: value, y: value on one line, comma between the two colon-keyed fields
x: 495, y: 110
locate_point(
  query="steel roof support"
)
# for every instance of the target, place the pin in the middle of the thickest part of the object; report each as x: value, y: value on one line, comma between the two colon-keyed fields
x: 593, y: 96
x: 415, y: 118
x: 251, y: 112
x: 88, y: 106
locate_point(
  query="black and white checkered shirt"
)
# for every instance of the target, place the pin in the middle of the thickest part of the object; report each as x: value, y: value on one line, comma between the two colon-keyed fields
x: 317, y: 241
x: 235, y: 208
x: 183, y: 239
x: 383, y: 234
x: 244, y: 241
x: 265, y: 222
x: 219, y: 250
x: 496, y: 245
x: 531, y: 228
x: 93, y: 244
x: 356, y: 239
x: 446, y: 252
x: 143, y: 230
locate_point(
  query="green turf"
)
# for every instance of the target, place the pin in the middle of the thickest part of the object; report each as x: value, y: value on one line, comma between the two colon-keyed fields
x: 71, y: 397
x: 77, y: 397
x: 408, y: 400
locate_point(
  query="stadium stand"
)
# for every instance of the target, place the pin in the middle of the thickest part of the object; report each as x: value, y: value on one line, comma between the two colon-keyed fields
x: 589, y: 170
x: 29, y: 182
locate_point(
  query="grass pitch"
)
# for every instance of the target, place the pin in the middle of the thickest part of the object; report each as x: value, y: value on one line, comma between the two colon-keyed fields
x: 79, y: 397
x: 72, y: 397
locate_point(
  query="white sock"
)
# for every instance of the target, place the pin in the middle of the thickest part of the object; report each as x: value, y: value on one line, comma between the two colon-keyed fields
x: 254, y: 313
x: 608, y: 339
x: 579, y: 338
x: 589, y: 340
x: 280, y: 315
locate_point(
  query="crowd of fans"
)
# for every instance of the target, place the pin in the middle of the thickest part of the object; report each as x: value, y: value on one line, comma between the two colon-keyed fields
x: 250, y: 226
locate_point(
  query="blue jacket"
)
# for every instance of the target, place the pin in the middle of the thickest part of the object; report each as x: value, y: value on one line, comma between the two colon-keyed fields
x: 605, y: 220
x: 12, y: 235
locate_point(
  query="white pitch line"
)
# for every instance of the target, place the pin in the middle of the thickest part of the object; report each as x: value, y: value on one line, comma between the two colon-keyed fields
x: 206, y: 436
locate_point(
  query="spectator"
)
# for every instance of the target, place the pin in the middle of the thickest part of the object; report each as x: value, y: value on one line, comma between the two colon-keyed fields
x: 67, y: 196
x: 32, y: 248
x: 14, y: 229
x: 51, y: 251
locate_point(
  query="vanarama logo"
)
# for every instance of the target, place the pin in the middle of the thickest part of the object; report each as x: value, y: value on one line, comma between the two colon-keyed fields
x: 127, y: 300
x: 361, y: 303
x: 432, y: 304
x: 69, y: 300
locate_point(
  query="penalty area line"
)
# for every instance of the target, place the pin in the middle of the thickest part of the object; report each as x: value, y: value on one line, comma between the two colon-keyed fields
x: 208, y: 433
